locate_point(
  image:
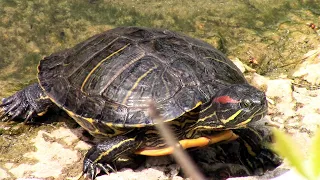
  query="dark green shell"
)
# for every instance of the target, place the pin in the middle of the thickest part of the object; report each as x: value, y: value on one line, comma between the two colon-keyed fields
x: 111, y: 77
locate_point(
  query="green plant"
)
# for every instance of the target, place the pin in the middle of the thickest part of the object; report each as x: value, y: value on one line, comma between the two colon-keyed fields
x: 308, y: 168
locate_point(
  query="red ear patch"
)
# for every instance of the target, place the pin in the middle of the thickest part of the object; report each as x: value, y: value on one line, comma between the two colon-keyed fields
x: 224, y: 100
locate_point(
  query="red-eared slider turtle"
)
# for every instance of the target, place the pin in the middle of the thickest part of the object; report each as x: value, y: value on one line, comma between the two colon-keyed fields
x: 106, y: 82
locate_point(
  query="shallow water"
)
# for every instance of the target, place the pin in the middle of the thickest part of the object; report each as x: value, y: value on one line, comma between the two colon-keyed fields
x: 273, y: 34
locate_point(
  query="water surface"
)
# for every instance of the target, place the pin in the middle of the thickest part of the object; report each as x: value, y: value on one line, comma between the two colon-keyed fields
x: 274, y: 33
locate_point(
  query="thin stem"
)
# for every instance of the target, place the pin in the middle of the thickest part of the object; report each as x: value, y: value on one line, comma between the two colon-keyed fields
x: 179, y: 154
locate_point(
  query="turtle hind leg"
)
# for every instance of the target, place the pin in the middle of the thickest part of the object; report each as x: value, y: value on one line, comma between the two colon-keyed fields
x: 111, y: 155
x: 25, y: 104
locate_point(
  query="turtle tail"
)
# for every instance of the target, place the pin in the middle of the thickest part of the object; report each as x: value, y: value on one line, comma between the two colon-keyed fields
x: 26, y: 104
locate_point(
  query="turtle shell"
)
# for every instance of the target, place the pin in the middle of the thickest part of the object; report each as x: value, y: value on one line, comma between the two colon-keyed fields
x: 111, y: 77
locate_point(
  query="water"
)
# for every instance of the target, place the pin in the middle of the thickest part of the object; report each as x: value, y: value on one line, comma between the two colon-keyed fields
x: 273, y: 32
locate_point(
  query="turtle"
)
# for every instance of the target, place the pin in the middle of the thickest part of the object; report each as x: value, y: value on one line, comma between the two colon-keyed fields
x: 248, y: 155
x: 106, y: 83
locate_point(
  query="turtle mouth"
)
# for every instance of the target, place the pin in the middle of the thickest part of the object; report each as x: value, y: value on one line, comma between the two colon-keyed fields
x: 259, y: 114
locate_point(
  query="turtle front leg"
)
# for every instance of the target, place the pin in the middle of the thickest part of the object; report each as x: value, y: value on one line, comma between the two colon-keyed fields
x: 114, y: 153
x: 25, y: 104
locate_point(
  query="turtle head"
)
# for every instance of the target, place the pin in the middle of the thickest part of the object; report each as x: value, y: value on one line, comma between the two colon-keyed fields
x: 237, y: 105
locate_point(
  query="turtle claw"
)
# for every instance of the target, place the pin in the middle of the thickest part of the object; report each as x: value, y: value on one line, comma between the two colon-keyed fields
x: 14, y: 107
x: 25, y: 104
x: 3, y: 116
x: 92, y: 169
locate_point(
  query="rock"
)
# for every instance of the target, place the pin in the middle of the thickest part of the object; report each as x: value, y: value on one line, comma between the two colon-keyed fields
x: 3, y: 174
x: 280, y: 90
x: 81, y: 145
x: 258, y: 81
x: 145, y: 174
x: 308, y: 70
x: 243, y: 67
x: 66, y: 135
x: 310, y: 73
x: 239, y: 64
x: 289, y: 175
x: 309, y: 107
x: 50, y: 156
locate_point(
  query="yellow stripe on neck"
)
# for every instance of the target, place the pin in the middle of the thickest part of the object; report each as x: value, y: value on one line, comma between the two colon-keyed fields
x: 231, y: 118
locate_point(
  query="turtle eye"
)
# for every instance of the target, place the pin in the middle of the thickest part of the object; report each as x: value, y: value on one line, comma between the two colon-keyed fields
x: 246, y: 103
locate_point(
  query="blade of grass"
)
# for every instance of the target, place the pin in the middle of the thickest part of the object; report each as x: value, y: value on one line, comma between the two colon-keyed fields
x: 285, y: 147
x: 315, y: 155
